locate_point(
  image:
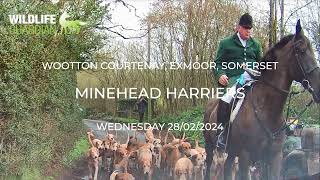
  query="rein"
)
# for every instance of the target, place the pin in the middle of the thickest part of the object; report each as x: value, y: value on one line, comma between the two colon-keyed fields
x: 304, y: 72
x: 283, y: 91
x: 272, y: 135
x: 297, y: 116
x: 305, y: 81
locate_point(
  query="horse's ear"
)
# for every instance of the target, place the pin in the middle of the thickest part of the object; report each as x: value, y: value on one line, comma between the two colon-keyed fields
x: 299, y: 31
x: 298, y: 27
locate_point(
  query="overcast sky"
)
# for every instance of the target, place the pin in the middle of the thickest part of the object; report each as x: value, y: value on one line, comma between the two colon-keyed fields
x: 122, y: 15
x: 129, y: 17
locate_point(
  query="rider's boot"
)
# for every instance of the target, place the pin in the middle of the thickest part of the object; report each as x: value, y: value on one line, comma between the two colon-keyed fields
x: 223, y: 117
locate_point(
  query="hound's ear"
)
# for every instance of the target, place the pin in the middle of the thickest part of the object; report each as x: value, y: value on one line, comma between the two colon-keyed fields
x: 180, y: 148
x: 173, y: 136
x: 147, y: 139
x: 299, y: 31
x: 194, y: 158
x: 89, y: 130
x: 184, y: 134
x: 151, y: 148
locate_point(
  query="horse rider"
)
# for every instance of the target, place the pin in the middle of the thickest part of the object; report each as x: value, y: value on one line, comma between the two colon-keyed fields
x: 238, y: 48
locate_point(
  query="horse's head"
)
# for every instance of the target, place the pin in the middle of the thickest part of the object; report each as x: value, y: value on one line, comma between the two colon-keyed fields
x: 304, y: 65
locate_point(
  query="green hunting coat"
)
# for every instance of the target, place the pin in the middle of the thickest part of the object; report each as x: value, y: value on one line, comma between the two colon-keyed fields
x: 231, y: 50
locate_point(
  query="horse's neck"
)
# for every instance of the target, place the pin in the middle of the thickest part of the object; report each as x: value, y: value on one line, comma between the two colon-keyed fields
x: 279, y: 78
x: 273, y: 98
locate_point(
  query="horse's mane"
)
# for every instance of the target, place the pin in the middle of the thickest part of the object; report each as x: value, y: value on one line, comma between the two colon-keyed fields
x: 270, y: 54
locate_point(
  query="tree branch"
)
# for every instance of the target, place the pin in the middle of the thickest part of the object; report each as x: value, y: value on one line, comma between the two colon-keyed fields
x: 296, y: 10
x: 127, y: 29
x: 129, y: 6
x: 123, y: 36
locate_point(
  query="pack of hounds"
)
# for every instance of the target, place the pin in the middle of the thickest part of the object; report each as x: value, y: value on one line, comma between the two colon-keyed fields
x: 153, y: 159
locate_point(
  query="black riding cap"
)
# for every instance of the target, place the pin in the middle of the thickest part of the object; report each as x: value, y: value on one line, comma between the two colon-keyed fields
x: 246, y: 21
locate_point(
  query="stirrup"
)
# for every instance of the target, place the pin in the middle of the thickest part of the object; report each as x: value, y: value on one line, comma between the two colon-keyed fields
x: 221, y: 144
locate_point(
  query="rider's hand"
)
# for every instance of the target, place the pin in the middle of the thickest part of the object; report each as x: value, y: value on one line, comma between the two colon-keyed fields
x: 223, y: 80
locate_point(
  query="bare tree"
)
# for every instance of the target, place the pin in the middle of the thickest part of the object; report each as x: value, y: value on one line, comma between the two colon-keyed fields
x: 179, y: 32
x: 272, y: 23
x: 281, y: 18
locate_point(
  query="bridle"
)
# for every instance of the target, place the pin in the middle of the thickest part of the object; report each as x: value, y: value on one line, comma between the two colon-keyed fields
x: 272, y: 135
x: 305, y: 81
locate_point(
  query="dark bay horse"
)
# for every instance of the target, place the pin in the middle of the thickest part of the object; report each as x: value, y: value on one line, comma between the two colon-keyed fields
x: 256, y: 132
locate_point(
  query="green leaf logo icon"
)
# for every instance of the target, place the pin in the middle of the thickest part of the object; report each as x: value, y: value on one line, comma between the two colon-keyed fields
x: 70, y: 25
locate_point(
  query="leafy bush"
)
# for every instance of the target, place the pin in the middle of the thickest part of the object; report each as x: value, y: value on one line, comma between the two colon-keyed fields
x: 79, y: 149
x: 298, y: 103
x: 40, y: 105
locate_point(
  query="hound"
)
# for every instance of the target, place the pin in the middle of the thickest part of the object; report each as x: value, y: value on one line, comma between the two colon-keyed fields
x: 124, y: 176
x: 144, y: 159
x: 176, y: 141
x: 170, y: 154
x: 133, y: 143
x: 199, y: 149
x: 219, y: 159
x: 93, y: 162
x: 125, y: 145
x: 183, y: 169
x: 121, y: 169
x: 198, y: 161
x: 157, y: 146
x: 90, y: 136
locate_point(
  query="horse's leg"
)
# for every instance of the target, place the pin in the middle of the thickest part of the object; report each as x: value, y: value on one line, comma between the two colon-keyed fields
x: 209, y: 136
x: 209, y: 146
x: 228, y: 167
x: 274, y: 167
x: 244, y: 164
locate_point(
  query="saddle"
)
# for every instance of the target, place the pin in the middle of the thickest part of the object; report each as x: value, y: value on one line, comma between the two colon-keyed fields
x: 245, y: 85
x: 237, y: 102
